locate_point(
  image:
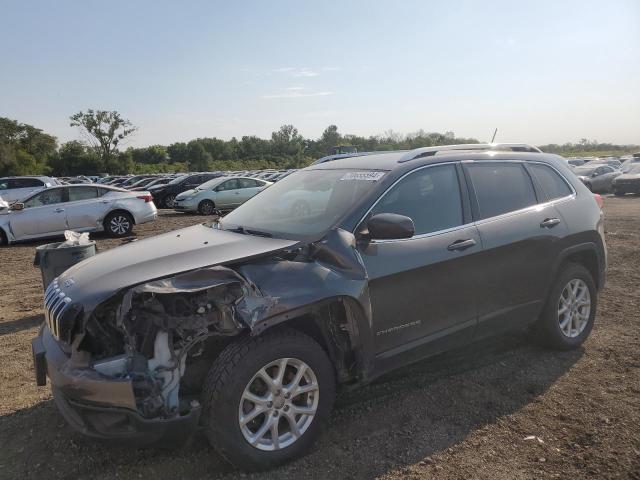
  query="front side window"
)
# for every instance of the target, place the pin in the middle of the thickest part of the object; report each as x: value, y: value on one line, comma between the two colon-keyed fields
x: 501, y: 188
x: 552, y: 183
x: 82, y: 193
x: 430, y: 197
x: 48, y: 197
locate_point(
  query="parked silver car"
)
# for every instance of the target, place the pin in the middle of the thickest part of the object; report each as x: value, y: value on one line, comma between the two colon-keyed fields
x: 82, y: 208
x: 223, y: 193
x: 15, y: 188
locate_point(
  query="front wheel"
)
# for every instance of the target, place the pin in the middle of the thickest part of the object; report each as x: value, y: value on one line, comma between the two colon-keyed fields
x: 169, y: 201
x: 118, y: 224
x: 206, y: 207
x: 266, y: 397
x: 569, y: 314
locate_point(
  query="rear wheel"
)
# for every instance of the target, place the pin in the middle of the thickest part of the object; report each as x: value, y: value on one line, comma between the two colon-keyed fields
x: 206, y: 207
x: 3, y: 238
x: 569, y: 314
x: 266, y: 397
x: 118, y: 224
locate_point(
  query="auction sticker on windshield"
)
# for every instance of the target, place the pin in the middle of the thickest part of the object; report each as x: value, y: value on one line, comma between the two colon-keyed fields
x: 366, y: 176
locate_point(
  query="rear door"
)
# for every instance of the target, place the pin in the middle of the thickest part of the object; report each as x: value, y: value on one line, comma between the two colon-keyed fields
x: 520, y: 234
x: 423, y: 289
x: 85, y: 207
x: 248, y: 187
x: 44, y: 214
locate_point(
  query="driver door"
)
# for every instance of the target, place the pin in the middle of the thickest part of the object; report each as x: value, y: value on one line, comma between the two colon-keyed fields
x: 422, y: 289
x: 227, y: 194
x: 44, y: 214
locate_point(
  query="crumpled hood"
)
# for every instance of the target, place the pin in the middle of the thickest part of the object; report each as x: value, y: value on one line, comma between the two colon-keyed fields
x: 96, y: 279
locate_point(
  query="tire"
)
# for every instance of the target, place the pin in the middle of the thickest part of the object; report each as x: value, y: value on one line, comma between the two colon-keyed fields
x: 236, y: 370
x: 206, y: 207
x: 169, y: 200
x: 3, y: 239
x: 118, y: 224
x: 549, y: 329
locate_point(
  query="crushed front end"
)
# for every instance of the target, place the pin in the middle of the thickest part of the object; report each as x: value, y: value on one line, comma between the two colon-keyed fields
x: 120, y: 371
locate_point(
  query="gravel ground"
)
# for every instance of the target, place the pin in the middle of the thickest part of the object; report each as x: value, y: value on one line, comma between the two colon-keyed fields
x: 501, y: 409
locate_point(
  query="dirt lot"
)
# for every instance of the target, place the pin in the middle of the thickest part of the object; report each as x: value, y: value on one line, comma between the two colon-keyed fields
x: 467, y: 414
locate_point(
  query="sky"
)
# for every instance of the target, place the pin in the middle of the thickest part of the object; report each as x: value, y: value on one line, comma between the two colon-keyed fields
x: 543, y: 71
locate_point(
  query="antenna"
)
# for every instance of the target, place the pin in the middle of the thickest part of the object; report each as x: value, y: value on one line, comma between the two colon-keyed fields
x: 494, y: 135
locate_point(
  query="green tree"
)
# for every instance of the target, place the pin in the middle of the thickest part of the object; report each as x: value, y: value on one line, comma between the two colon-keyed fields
x: 199, y: 158
x: 103, y: 130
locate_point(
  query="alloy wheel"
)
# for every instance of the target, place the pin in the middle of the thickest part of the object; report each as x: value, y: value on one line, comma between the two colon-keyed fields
x: 574, y: 308
x: 119, y: 225
x: 278, y: 404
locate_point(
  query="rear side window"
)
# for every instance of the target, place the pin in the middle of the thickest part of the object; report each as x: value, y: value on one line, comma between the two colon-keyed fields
x: 4, y: 184
x: 248, y: 183
x: 501, y: 188
x: 430, y: 197
x: 552, y: 183
x: 82, y: 193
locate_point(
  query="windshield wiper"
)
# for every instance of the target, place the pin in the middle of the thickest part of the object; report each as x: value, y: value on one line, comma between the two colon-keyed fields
x: 248, y: 231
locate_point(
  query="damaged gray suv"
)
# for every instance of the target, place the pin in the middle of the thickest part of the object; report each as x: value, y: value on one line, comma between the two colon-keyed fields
x: 343, y: 271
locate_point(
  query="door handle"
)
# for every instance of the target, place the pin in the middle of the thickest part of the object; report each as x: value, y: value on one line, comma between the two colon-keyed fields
x: 549, y: 222
x: 461, y: 244
x: 58, y: 210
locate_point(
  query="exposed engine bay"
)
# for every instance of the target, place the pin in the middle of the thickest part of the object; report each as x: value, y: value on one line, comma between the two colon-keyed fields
x: 150, y: 332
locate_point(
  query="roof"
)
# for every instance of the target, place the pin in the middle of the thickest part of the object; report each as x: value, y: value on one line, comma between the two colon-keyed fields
x: 437, y: 150
x: 395, y: 160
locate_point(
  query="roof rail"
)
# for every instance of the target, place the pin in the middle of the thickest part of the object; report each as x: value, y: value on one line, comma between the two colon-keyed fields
x: 469, y: 147
x: 338, y: 156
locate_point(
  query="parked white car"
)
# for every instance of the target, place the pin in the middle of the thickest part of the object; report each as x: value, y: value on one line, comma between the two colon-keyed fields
x: 223, y: 193
x: 82, y: 208
x: 15, y: 188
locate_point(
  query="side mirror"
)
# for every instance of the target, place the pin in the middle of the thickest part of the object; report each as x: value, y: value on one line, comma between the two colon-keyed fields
x: 390, y: 226
x: 594, y: 174
x: 17, y: 206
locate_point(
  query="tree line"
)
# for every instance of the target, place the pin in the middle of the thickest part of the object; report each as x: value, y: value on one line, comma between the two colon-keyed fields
x: 27, y: 150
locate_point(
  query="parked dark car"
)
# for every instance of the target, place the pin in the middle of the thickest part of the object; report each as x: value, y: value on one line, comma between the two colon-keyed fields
x: 246, y: 326
x: 628, y: 182
x: 164, y: 196
x: 597, y: 177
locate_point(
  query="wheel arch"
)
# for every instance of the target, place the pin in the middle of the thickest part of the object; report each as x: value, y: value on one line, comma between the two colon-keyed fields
x: 336, y: 324
x: 585, y: 254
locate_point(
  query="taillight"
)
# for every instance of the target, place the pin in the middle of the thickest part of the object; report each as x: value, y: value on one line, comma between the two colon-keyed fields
x: 146, y: 198
x: 599, y: 200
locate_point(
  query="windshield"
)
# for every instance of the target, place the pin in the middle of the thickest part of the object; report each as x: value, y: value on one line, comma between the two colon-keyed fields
x: 178, y: 179
x: 303, y: 204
